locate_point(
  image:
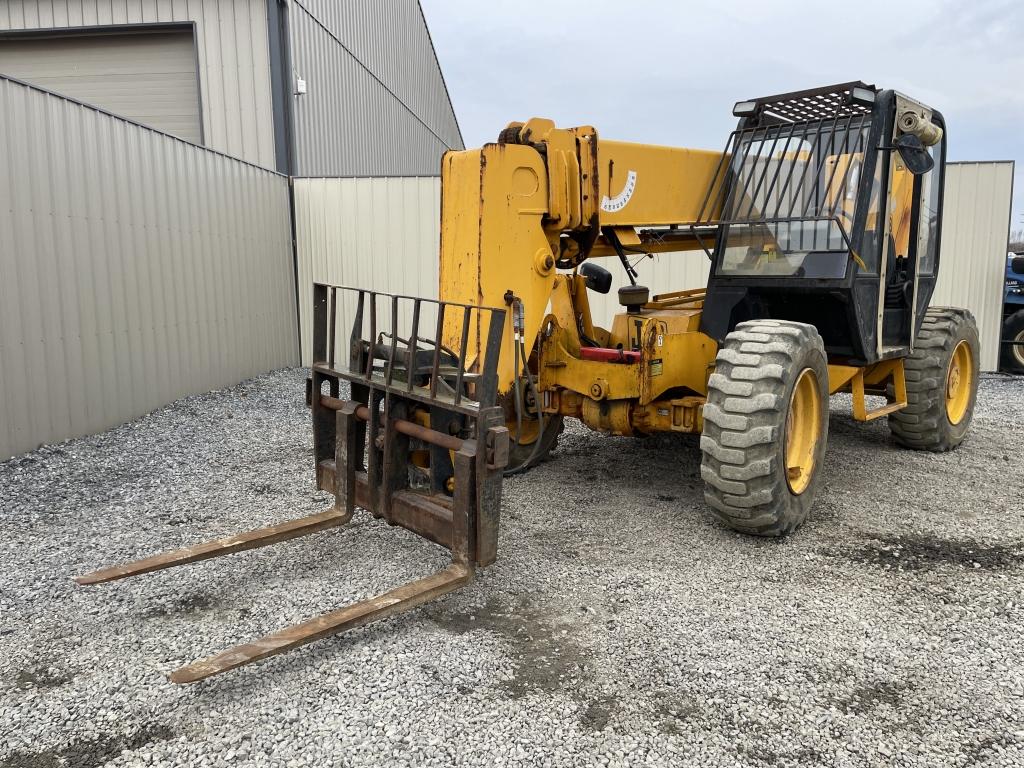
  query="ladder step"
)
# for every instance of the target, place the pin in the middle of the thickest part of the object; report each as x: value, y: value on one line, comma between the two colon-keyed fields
x: 883, y: 411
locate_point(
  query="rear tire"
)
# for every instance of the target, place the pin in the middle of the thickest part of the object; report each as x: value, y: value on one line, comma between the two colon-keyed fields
x: 1012, y: 357
x: 520, y: 453
x: 934, y: 419
x: 765, y: 426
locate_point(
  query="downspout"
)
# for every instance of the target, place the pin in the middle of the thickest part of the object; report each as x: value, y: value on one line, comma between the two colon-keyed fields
x: 282, y: 98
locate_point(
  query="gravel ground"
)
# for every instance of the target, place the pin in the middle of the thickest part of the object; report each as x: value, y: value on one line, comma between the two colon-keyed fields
x: 620, y: 626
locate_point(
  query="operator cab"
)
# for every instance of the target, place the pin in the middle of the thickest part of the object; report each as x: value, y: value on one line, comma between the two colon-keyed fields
x: 800, y: 201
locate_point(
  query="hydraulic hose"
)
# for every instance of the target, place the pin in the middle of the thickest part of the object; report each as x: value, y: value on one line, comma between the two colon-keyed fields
x: 521, y: 358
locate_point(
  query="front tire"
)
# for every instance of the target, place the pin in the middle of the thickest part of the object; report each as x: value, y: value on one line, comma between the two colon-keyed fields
x: 942, y: 382
x: 765, y: 426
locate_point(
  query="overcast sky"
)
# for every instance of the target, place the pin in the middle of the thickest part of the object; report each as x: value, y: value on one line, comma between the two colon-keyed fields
x: 669, y: 72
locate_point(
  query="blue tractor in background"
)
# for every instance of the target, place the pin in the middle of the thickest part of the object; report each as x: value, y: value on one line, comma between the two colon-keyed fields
x: 1012, y: 358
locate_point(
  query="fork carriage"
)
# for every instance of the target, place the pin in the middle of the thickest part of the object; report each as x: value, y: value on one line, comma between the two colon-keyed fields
x: 418, y: 442
x: 411, y: 398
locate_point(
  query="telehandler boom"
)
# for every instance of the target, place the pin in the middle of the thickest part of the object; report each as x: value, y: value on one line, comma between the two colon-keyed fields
x: 821, y: 220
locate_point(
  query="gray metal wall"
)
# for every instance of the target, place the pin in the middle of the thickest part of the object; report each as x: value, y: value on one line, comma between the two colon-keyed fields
x: 234, y: 58
x: 135, y: 268
x: 150, y: 78
x: 376, y: 103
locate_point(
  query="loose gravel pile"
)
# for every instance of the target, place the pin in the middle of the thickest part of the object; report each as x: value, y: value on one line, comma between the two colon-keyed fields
x: 620, y: 626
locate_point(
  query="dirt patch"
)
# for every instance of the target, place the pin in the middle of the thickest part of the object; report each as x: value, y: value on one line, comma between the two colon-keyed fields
x: 89, y: 754
x: 31, y: 760
x: 982, y: 751
x: 672, y: 711
x: 598, y: 712
x: 42, y: 677
x: 868, y: 697
x: 546, y: 655
x: 922, y: 552
x: 196, y: 602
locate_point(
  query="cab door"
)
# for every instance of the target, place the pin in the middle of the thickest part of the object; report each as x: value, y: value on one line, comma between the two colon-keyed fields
x: 912, y: 245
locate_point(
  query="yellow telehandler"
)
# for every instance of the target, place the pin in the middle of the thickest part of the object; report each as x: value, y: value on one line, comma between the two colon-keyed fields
x: 821, y: 219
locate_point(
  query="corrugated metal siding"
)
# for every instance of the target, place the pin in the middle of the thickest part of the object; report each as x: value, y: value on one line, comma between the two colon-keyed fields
x: 234, y: 57
x: 348, y: 123
x: 665, y: 272
x: 976, y: 220
x: 372, y: 233
x: 975, y: 230
x: 383, y: 233
x: 149, y: 78
x: 135, y: 269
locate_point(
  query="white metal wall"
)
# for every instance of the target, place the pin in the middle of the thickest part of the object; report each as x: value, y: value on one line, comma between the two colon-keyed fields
x: 663, y: 273
x: 975, y: 228
x: 384, y: 234
x: 233, y: 49
x: 381, y: 234
x: 975, y: 231
x: 135, y: 268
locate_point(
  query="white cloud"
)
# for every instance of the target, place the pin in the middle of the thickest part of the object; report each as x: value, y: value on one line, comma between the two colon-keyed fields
x: 669, y: 72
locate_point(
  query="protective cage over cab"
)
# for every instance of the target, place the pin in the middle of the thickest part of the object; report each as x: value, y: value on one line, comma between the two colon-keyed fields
x: 804, y: 234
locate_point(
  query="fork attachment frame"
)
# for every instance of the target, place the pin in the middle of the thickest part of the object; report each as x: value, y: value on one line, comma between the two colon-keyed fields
x: 418, y: 442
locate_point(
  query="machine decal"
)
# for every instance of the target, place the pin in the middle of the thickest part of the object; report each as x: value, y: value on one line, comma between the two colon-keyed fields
x: 617, y: 203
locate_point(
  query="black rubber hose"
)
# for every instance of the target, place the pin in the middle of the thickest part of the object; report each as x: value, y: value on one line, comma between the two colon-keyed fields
x: 520, y: 355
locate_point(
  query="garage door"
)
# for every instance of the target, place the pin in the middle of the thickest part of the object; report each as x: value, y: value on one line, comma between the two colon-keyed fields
x: 149, y: 77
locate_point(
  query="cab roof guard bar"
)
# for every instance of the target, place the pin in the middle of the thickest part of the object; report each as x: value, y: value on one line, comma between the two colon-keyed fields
x: 778, y: 174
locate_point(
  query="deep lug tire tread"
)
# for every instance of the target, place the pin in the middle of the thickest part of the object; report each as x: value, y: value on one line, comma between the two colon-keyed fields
x: 1012, y: 326
x: 743, y: 441
x: 923, y: 425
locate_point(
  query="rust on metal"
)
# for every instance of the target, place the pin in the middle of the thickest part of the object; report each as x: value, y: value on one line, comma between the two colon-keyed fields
x: 396, y: 601
x: 259, y: 537
x: 363, y: 448
x: 426, y: 515
x: 405, y: 427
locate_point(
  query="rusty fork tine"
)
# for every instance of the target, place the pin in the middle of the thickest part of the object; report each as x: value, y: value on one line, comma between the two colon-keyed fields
x: 391, y: 603
x: 259, y: 537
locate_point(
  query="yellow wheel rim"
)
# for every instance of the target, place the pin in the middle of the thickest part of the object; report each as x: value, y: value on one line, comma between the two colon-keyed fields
x: 531, y: 428
x: 803, y: 430
x: 959, y: 382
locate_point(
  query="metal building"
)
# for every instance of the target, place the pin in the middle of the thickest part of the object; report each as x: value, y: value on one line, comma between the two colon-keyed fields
x: 135, y: 268
x: 306, y: 87
x: 374, y: 101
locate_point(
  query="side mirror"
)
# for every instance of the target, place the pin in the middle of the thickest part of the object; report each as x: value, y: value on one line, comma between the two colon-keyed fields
x: 598, y: 278
x: 1017, y: 265
x: 914, y: 155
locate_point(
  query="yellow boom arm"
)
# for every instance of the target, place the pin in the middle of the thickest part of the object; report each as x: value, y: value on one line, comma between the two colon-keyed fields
x: 511, y: 210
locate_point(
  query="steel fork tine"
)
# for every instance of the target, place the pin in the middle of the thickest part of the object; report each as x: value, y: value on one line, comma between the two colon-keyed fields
x: 398, y: 600
x: 260, y: 537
